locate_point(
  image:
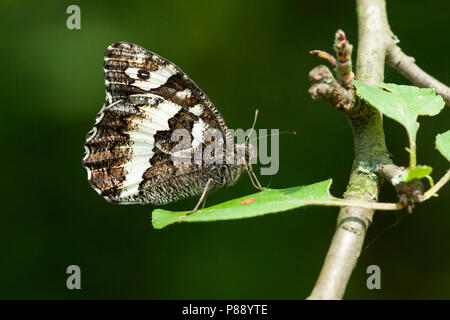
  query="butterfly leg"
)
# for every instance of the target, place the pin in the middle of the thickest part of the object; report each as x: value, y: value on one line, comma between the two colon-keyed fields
x: 253, y: 177
x: 204, y: 202
x: 201, y: 200
x: 202, y: 197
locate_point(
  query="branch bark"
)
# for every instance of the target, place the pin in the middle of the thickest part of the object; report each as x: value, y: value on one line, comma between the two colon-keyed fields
x: 375, y: 37
x: 404, y: 64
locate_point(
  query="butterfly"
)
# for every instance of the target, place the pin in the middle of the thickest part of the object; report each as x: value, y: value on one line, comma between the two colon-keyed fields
x: 128, y: 152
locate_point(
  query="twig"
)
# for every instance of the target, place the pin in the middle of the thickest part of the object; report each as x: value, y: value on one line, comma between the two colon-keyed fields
x: 432, y: 191
x: 411, y: 71
x: 337, y: 91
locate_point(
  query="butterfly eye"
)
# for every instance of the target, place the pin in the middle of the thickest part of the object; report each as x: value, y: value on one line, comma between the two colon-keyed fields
x: 143, y: 74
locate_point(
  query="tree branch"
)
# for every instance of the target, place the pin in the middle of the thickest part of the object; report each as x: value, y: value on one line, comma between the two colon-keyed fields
x: 370, y: 152
x: 411, y: 71
x: 432, y: 191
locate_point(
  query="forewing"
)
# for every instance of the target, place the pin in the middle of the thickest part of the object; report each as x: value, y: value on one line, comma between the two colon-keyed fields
x: 147, y: 98
x: 130, y: 69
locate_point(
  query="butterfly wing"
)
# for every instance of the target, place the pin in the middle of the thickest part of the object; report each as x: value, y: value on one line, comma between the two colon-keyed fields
x: 128, y: 151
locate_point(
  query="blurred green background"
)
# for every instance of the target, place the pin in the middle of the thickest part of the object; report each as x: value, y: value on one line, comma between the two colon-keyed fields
x: 244, y: 55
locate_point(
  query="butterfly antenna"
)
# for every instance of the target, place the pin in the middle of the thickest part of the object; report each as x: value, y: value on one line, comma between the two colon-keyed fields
x: 253, y: 126
x: 292, y: 132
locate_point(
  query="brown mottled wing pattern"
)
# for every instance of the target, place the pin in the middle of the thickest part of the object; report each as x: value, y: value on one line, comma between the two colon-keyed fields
x: 128, y: 151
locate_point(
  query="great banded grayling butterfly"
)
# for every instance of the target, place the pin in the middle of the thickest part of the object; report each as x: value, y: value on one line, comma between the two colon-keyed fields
x: 128, y: 151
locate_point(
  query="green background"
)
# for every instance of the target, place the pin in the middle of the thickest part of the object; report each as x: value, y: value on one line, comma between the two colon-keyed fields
x: 244, y: 55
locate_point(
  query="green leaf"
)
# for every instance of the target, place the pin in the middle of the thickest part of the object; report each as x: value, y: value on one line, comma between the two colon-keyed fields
x: 402, y: 103
x: 418, y: 172
x: 257, y: 204
x: 443, y: 144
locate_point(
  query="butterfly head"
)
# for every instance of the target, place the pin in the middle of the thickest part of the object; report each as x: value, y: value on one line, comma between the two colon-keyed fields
x: 245, y: 156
